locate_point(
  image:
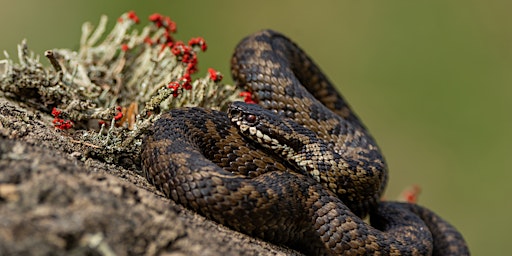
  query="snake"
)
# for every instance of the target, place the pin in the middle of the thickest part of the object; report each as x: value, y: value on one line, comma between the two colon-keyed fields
x: 298, y: 168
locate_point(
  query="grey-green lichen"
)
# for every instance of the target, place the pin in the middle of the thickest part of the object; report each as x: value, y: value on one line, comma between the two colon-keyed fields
x: 126, y: 71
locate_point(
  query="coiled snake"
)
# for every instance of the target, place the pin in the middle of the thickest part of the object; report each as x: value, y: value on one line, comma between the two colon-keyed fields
x: 297, y: 169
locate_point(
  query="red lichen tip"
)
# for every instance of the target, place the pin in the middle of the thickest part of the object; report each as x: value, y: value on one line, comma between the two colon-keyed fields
x: 56, y: 112
x: 186, y: 81
x: 125, y: 47
x: 192, y: 64
x: 247, y: 97
x: 199, y: 42
x: 215, y: 75
x: 155, y: 17
x: 163, y: 21
x: 62, y: 124
x: 118, y: 116
x: 148, y: 41
x: 174, y: 86
x: 119, y: 113
x: 170, y: 25
x: 132, y: 16
x: 411, y: 194
x: 180, y: 49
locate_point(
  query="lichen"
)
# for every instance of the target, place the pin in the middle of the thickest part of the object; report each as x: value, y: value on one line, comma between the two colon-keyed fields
x: 110, y: 90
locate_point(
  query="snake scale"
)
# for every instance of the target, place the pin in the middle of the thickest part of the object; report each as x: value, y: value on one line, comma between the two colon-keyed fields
x: 298, y: 168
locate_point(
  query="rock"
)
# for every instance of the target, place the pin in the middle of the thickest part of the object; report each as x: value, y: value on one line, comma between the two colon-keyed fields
x: 54, y: 200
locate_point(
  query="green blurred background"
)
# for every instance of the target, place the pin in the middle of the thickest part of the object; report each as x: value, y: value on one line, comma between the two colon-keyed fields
x: 431, y: 79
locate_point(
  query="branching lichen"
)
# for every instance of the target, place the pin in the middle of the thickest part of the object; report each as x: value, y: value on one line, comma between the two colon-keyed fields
x: 115, y: 85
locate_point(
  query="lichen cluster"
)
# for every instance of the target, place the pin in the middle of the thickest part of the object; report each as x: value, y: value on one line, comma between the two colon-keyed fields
x: 115, y: 85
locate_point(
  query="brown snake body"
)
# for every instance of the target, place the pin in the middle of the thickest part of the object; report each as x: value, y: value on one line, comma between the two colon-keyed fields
x: 300, y: 171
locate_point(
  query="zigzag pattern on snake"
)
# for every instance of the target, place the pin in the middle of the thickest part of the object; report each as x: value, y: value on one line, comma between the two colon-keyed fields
x: 298, y: 169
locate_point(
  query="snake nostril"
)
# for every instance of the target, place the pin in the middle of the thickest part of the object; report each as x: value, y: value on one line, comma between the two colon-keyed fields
x: 234, y: 112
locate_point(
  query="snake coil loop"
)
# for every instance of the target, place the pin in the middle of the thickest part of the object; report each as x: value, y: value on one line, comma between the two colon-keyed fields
x: 297, y: 169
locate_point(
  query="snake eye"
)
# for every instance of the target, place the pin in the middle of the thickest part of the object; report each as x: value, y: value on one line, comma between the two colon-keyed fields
x: 250, y: 118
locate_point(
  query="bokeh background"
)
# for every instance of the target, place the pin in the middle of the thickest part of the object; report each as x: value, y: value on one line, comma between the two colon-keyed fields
x: 431, y: 79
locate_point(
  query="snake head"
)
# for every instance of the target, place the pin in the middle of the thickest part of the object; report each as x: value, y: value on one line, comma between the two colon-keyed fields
x: 269, y: 129
x: 254, y: 122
